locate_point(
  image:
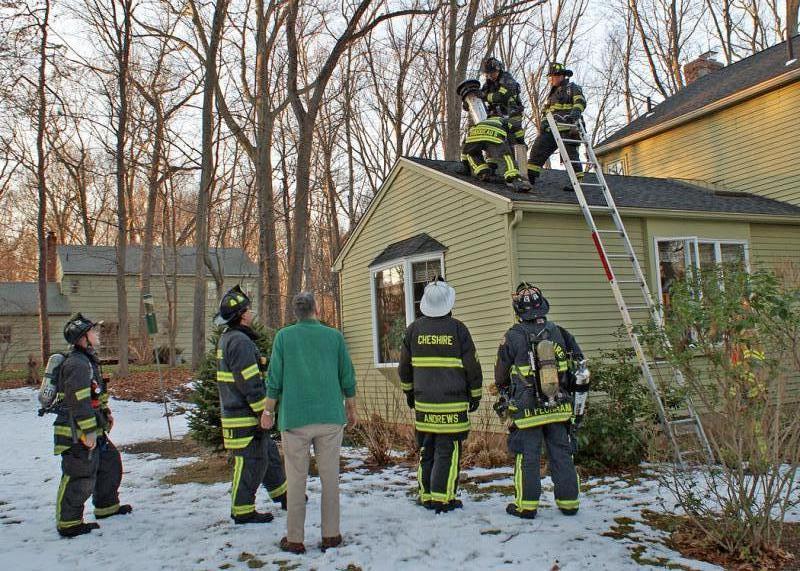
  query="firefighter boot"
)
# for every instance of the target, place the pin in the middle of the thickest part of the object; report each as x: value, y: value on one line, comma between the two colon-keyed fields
x: 511, y: 509
x: 77, y: 530
x: 122, y: 510
x: 517, y: 184
x: 253, y: 517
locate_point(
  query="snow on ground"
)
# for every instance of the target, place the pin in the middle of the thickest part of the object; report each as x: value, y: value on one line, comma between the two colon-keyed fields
x: 188, y: 527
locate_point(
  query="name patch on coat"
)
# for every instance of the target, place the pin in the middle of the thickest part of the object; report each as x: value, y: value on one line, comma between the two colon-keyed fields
x: 434, y: 339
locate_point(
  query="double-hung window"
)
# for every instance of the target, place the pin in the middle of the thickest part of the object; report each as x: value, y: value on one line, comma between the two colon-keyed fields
x: 679, y: 258
x: 397, y: 287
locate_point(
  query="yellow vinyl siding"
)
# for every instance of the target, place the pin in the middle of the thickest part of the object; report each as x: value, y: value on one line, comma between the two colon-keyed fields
x: 476, y: 264
x: 556, y: 253
x: 750, y: 147
x: 25, y: 339
x: 773, y: 246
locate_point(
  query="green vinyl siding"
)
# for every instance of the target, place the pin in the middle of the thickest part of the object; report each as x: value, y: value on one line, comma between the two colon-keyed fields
x: 476, y: 264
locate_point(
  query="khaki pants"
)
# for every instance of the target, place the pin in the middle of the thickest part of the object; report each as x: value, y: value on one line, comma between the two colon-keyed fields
x: 327, y: 441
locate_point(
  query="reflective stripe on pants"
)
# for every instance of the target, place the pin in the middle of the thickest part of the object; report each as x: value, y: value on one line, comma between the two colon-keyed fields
x: 440, y: 462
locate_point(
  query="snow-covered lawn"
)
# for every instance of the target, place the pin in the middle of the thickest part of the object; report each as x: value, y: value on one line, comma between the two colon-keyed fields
x: 188, y: 527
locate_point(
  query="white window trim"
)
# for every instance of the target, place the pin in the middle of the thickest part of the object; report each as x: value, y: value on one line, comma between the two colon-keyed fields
x: 622, y: 162
x: 697, y: 240
x: 407, y: 292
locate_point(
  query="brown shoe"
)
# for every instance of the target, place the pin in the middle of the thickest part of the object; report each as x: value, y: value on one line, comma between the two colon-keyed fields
x: 331, y: 542
x: 296, y: 548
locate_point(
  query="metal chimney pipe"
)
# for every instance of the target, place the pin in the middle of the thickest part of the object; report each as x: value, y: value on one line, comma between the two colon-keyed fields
x: 469, y: 91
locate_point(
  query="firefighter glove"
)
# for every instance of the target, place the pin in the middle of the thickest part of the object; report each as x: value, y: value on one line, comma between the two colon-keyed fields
x: 89, y: 439
x: 474, y: 403
x: 410, y: 399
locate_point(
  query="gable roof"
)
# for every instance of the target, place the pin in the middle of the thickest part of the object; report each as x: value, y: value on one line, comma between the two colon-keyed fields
x: 419, y: 244
x: 101, y: 260
x: 628, y: 192
x: 755, y: 73
x: 22, y: 298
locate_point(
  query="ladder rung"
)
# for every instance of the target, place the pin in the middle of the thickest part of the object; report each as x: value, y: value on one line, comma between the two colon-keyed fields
x: 601, y: 208
x: 590, y: 184
x: 682, y: 421
x: 619, y: 256
x: 578, y: 141
x: 638, y: 307
x: 590, y: 163
x: 640, y: 282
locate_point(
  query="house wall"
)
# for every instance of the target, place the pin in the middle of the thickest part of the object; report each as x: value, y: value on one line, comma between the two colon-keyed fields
x: 96, y: 297
x: 750, y: 146
x: 25, y: 339
x: 476, y: 264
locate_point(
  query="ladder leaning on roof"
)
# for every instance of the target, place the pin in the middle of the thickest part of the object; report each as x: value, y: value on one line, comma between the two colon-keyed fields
x: 672, y: 420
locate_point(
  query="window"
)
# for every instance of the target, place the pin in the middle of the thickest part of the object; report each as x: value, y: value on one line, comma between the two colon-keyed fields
x: 616, y: 167
x: 211, y: 290
x: 678, y: 257
x: 74, y: 285
x: 5, y: 334
x: 397, y: 289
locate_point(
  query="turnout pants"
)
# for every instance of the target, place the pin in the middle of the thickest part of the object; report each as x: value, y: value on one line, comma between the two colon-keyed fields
x: 85, y: 473
x: 526, y: 446
x: 472, y: 154
x: 257, y: 463
x: 544, y: 146
x: 439, y: 464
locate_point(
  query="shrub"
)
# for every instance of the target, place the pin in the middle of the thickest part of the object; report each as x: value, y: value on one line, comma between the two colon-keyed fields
x: 615, y: 430
x: 204, y: 419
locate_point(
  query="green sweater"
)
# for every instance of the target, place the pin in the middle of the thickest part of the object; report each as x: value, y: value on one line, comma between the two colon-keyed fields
x: 310, y: 374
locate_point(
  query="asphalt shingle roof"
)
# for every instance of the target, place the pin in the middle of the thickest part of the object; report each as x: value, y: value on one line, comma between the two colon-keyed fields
x: 101, y: 260
x: 22, y: 298
x: 729, y: 80
x: 419, y: 244
x: 628, y: 192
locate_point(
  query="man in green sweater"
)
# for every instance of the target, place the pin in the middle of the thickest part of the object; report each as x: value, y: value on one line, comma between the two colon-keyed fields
x: 312, y: 377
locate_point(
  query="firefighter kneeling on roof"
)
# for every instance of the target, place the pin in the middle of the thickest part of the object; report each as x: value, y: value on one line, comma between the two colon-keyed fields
x: 90, y: 463
x: 441, y: 377
x: 243, y: 396
x: 538, y: 370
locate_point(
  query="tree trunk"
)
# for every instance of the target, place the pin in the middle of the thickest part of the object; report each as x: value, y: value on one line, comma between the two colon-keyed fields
x: 41, y: 183
x: 123, y: 57
x: 206, y: 177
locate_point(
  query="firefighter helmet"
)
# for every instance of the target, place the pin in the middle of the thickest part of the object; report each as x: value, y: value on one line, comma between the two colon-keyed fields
x: 559, y: 69
x: 492, y: 64
x: 77, y: 327
x: 438, y: 298
x: 233, y: 304
x: 529, y: 303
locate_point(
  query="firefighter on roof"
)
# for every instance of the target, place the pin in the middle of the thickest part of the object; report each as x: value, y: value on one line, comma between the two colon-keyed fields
x: 441, y: 378
x: 533, y: 375
x: 243, y: 397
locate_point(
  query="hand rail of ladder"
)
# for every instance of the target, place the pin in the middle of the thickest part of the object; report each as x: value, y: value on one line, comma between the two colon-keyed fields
x: 640, y: 278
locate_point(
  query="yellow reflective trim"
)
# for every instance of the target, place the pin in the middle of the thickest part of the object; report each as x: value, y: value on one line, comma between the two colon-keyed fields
x: 528, y: 505
x: 406, y: 386
x: 106, y: 511
x: 562, y: 366
x: 453, y: 475
x: 224, y: 377
x: 250, y: 372
x: 238, y: 463
x: 62, y: 487
x: 439, y: 497
x: 442, y: 428
x: 259, y: 406
x: 243, y: 510
x: 239, y: 422
x: 568, y: 504
x: 279, y: 491
x: 531, y: 421
x: 60, y: 449
x: 502, y: 90
x: 87, y: 423
x: 518, y: 480
x: 441, y: 407
x: 62, y: 431
x: 453, y: 362
x: 476, y: 393
x: 83, y: 393
x: 522, y: 370
x: 236, y: 443
x: 219, y: 353
x: 424, y: 496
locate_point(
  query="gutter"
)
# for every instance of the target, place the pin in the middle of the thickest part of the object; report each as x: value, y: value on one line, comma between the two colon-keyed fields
x: 737, y: 97
x: 558, y: 208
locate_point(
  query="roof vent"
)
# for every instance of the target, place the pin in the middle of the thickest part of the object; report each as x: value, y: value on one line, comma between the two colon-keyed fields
x: 703, y: 65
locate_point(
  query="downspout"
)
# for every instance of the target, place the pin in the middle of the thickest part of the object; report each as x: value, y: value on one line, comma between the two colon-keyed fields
x: 513, y: 261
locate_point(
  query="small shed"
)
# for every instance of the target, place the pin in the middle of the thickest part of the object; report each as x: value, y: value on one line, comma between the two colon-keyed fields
x: 430, y: 218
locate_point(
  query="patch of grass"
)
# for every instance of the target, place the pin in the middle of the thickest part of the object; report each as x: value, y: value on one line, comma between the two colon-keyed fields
x: 623, y: 529
x: 210, y: 468
x: 637, y: 554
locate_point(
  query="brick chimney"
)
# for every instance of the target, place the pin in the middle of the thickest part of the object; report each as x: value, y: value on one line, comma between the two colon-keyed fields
x: 703, y: 65
x: 52, y: 251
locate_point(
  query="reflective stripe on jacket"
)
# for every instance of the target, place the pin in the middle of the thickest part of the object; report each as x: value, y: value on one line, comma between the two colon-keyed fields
x: 504, y: 94
x: 242, y: 390
x: 562, y: 101
x: 439, y: 365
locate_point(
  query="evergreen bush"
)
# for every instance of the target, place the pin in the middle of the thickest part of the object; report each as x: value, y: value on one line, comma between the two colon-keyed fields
x: 204, y: 419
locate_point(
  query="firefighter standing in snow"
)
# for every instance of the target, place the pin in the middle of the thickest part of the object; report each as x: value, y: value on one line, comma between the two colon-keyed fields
x: 90, y: 463
x: 533, y: 374
x: 441, y: 378
x: 243, y: 397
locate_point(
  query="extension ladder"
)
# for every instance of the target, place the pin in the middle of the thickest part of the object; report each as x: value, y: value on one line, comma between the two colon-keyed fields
x: 678, y: 422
